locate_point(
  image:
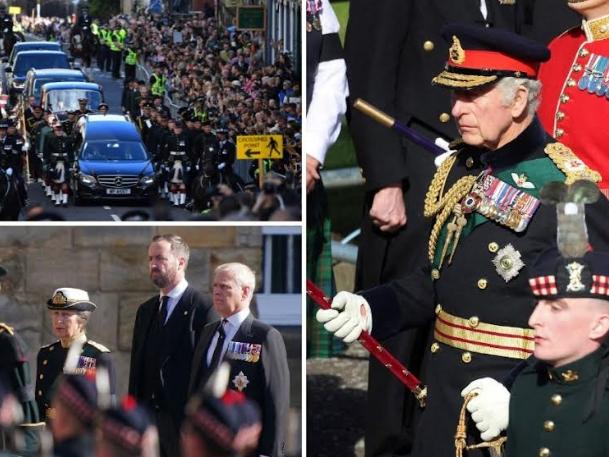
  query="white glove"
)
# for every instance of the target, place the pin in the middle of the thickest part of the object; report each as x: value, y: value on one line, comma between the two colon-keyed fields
x: 490, y: 409
x: 349, y: 315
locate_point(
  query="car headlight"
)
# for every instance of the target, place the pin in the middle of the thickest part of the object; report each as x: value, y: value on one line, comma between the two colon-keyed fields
x: 147, y: 180
x: 87, y: 180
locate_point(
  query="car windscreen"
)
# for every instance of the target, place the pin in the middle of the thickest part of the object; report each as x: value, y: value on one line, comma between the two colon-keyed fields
x: 113, y: 151
x: 67, y: 100
x: 29, y: 46
x: 38, y: 82
x: 24, y: 62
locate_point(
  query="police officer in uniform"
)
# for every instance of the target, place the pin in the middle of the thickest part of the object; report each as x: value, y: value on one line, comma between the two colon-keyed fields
x: 227, y: 154
x: 82, y: 107
x: 487, y: 227
x: 70, y: 312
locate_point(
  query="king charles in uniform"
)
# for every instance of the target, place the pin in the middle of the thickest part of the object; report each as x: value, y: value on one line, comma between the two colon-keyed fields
x: 488, y: 226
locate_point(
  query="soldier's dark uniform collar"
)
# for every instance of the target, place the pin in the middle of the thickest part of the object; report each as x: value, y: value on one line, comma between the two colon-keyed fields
x: 526, y: 146
x: 573, y: 373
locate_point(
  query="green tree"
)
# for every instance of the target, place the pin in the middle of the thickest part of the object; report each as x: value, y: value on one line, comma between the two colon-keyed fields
x: 104, y: 9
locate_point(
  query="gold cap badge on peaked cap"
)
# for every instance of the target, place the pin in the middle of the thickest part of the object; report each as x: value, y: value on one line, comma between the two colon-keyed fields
x: 456, y: 53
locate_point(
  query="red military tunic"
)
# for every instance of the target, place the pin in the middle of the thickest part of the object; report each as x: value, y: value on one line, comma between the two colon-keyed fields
x: 575, y: 116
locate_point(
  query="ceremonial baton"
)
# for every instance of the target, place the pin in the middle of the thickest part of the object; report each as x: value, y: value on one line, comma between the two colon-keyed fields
x: 379, y: 352
x: 393, y: 123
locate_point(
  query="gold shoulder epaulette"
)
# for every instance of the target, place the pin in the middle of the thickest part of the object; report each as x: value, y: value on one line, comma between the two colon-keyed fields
x: 571, y: 165
x: 101, y: 347
x: 49, y: 345
x: 456, y: 144
x: 6, y: 328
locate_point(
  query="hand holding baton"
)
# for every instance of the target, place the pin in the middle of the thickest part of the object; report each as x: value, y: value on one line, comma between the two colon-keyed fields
x: 379, y: 352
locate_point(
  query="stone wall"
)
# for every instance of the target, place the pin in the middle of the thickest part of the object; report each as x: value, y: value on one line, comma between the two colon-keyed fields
x: 110, y: 262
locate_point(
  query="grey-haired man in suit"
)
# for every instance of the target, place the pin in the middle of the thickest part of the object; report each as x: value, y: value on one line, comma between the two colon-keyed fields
x: 256, y: 351
x: 166, y: 331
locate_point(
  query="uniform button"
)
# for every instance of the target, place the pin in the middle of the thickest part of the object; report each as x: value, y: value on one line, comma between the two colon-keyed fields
x: 474, y: 321
x: 544, y: 452
x: 577, y: 67
x: 51, y: 348
x: 435, y: 274
x: 560, y: 115
x: 444, y: 117
x: 506, y: 263
x: 564, y: 98
x: 493, y: 247
x: 44, y: 362
x: 584, y: 53
x: 482, y: 283
x: 556, y: 399
x: 571, y: 83
x: 548, y: 426
x: 466, y: 357
x: 435, y: 347
x: 40, y: 393
x: 438, y: 308
x: 469, y: 162
x: 428, y: 45
x: 41, y: 376
x: 559, y: 133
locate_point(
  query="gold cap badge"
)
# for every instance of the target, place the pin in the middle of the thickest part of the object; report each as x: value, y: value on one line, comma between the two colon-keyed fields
x: 59, y: 299
x: 456, y: 53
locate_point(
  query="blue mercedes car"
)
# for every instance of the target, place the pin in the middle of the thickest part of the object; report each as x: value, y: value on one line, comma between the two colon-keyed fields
x: 112, y: 161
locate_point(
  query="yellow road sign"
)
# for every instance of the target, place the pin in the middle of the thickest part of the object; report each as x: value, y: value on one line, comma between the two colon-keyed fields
x: 259, y: 147
x: 14, y: 10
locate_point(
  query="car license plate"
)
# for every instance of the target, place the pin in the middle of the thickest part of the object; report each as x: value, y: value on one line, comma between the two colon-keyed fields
x: 118, y: 191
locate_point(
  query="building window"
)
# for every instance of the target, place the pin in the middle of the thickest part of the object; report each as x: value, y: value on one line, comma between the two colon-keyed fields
x: 279, y: 295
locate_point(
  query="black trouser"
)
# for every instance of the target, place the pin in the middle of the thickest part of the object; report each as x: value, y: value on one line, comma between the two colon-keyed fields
x: 129, y: 71
x: 116, y: 63
x: 169, y: 434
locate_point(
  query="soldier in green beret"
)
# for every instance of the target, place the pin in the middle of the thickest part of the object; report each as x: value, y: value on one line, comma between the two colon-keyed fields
x: 70, y: 312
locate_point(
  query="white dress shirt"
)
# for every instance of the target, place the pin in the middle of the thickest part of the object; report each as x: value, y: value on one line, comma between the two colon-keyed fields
x: 231, y: 326
x: 328, y: 103
x: 174, y: 297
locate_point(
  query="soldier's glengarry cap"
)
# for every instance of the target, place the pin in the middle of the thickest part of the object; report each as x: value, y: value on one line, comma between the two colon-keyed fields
x: 479, y: 55
x: 125, y: 425
x: 68, y: 298
x: 553, y: 276
x: 79, y: 394
x: 231, y: 422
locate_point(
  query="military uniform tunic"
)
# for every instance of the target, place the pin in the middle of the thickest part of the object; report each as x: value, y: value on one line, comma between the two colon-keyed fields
x: 575, y: 98
x: 50, y: 363
x: 550, y: 410
x: 481, y: 301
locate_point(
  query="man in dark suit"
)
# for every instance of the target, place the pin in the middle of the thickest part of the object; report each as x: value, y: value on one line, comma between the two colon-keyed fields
x: 393, y: 49
x: 256, y: 351
x: 166, y: 331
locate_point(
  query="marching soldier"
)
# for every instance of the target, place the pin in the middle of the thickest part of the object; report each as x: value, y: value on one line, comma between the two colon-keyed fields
x: 74, y: 414
x: 576, y: 87
x: 59, y: 148
x: 488, y: 226
x: 15, y: 371
x: 227, y: 154
x: 143, y: 122
x: 17, y: 158
x: 564, y: 385
x: 177, y: 149
x: 70, y: 312
x: 126, y: 430
x: 103, y: 108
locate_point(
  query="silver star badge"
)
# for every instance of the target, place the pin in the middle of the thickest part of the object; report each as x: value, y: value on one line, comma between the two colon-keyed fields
x: 240, y: 381
x: 508, y: 262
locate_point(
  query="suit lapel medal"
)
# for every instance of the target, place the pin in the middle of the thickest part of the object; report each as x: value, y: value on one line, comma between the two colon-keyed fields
x: 246, y: 352
x: 240, y: 381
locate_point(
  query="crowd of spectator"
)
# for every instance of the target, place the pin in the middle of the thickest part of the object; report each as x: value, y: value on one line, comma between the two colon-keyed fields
x: 219, y: 75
